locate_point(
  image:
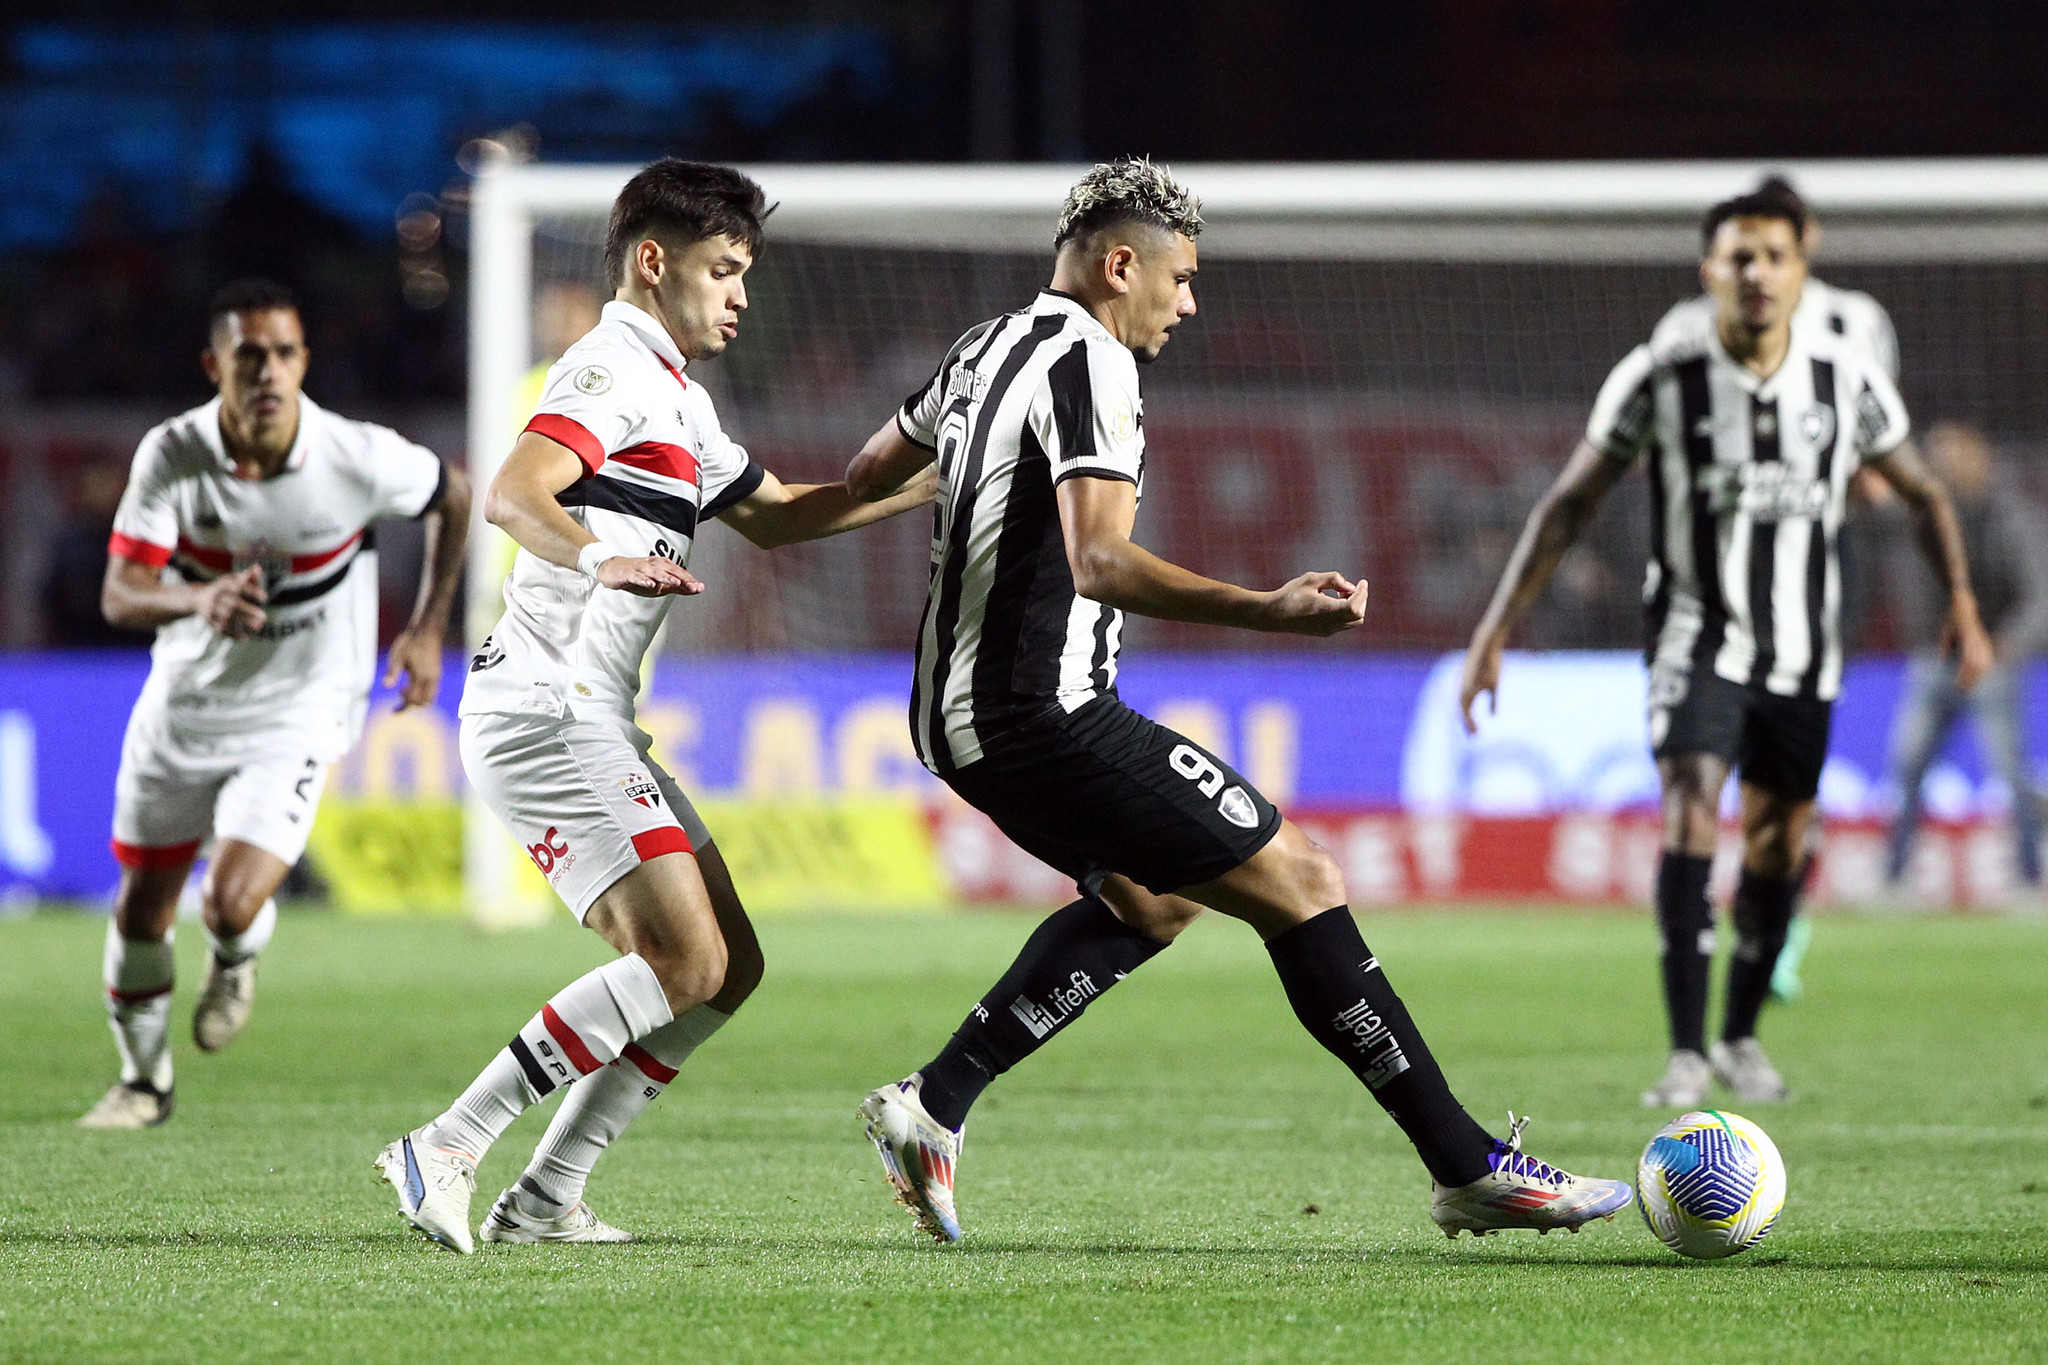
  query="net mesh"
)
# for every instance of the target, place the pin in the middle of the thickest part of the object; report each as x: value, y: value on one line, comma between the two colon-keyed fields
x: 1344, y: 400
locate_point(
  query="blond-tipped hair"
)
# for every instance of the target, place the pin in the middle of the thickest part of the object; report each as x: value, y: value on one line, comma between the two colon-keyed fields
x: 1131, y: 189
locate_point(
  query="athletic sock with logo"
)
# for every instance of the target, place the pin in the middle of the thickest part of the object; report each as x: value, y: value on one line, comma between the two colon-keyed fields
x: 1080, y: 951
x: 236, y: 948
x: 584, y: 1026
x: 597, y: 1110
x: 1685, y: 923
x: 1762, y: 915
x: 1346, y: 1003
x: 138, y: 973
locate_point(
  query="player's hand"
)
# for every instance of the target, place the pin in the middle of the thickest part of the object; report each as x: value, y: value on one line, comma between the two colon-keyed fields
x: 651, y: 576
x: 1319, y: 604
x: 233, y: 603
x: 417, y: 654
x: 1965, y: 634
x: 1481, y: 674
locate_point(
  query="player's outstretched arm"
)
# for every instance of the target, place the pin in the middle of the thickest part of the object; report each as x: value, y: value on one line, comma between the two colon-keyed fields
x: 886, y: 464
x: 1553, y: 527
x: 893, y: 480
x: 1940, y: 538
x: 521, y: 502
x: 1096, y: 516
x: 416, y: 653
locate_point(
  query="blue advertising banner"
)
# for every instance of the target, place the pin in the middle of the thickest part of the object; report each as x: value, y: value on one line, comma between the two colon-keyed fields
x: 1372, y: 733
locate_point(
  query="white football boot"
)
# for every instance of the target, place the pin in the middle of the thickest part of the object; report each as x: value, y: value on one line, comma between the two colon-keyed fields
x: 508, y: 1222
x: 919, y: 1155
x: 1522, y: 1192
x: 1743, y: 1068
x: 224, y: 1002
x: 140, y: 1105
x: 434, y: 1186
x: 1684, y: 1083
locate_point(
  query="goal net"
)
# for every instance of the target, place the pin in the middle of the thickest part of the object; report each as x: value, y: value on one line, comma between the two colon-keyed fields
x: 1389, y: 363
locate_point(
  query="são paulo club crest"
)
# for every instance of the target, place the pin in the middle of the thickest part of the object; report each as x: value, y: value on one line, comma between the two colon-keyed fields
x: 643, y: 790
x: 275, y: 563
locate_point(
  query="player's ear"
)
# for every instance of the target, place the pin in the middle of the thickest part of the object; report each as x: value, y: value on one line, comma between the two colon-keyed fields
x: 1707, y: 274
x: 649, y: 260
x: 210, y: 363
x: 1117, y: 267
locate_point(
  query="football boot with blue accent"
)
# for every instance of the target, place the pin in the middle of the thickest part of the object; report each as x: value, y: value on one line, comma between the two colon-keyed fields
x: 919, y: 1155
x: 434, y: 1186
x: 1522, y: 1192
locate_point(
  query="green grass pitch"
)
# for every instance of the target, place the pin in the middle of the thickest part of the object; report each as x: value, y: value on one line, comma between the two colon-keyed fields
x: 1181, y: 1177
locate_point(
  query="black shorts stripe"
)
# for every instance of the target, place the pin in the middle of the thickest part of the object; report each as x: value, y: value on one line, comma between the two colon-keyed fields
x: 536, y: 1076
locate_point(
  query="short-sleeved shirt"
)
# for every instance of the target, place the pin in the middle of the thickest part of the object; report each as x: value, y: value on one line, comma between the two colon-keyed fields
x: 656, y: 464
x: 1021, y: 404
x: 1748, y: 486
x: 187, y: 512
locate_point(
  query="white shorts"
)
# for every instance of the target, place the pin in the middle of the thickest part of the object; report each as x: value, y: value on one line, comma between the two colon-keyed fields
x: 582, y: 797
x: 177, y: 787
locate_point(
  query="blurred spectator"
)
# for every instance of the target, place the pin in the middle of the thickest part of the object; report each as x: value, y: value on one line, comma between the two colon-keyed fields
x: 563, y: 310
x: 78, y: 561
x: 2007, y: 540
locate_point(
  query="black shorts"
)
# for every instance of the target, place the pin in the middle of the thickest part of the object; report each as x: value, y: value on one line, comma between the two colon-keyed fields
x: 1107, y: 790
x: 1777, y: 743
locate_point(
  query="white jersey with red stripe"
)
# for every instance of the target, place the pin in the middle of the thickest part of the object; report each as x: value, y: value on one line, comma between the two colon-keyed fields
x: 656, y: 464
x: 187, y: 512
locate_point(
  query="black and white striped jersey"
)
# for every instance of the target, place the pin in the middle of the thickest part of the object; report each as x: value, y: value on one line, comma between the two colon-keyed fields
x: 1748, y: 482
x: 1020, y: 404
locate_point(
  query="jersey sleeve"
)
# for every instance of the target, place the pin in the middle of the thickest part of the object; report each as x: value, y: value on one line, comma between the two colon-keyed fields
x: 1881, y: 421
x: 146, y: 522
x: 584, y: 407
x: 918, y: 419
x: 1620, y: 424
x: 1092, y: 423
x: 406, y: 479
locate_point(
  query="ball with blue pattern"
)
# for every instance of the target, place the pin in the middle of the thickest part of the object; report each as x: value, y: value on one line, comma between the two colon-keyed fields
x: 1710, y: 1184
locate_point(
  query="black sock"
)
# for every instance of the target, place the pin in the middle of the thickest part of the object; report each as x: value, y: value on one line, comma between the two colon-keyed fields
x: 1080, y: 951
x: 1685, y: 918
x: 1763, y: 912
x: 1345, y: 1002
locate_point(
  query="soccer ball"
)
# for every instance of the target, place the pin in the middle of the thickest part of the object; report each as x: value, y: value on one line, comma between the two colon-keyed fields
x: 1710, y: 1184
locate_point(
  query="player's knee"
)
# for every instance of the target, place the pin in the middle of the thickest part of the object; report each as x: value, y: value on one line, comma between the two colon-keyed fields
x: 1318, y: 879
x: 1771, y: 850
x: 689, y: 976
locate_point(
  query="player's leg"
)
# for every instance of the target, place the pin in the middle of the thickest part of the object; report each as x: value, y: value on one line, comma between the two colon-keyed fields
x: 1691, y: 796
x: 1075, y: 954
x: 1997, y: 701
x: 1292, y: 894
x: 163, y: 809
x: 546, y: 1203
x: 1696, y: 726
x: 1783, y: 748
x: 137, y: 970
x: 1920, y: 725
x: 261, y: 822
x: 577, y: 792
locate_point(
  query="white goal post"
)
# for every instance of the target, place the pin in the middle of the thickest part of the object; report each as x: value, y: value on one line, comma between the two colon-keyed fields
x: 1898, y: 212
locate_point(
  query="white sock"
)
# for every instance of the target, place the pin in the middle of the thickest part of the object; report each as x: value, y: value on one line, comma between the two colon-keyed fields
x: 585, y: 1025
x: 594, y: 1113
x: 138, y: 974
x: 233, y: 948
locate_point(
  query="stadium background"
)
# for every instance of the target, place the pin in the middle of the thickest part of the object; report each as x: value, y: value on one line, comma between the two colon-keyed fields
x: 1391, y: 411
